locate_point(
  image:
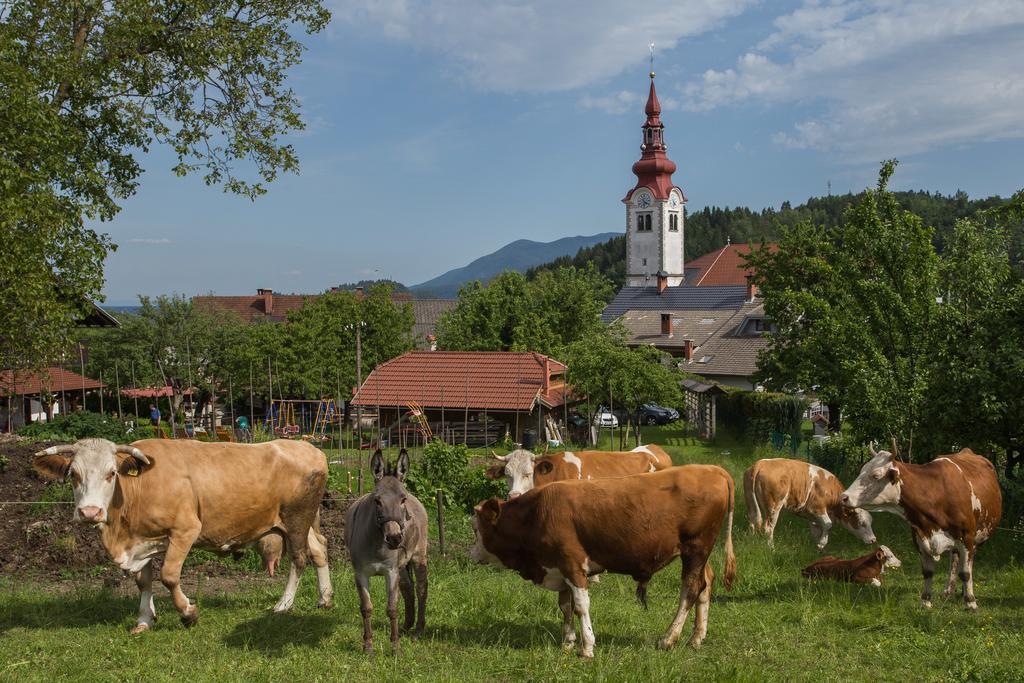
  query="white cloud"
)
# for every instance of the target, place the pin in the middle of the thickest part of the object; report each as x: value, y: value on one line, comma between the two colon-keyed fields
x: 149, y: 240
x: 615, y: 103
x: 890, y: 78
x: 536, y: 46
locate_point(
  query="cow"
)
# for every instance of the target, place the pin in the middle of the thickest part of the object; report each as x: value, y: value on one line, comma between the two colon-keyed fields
x: 166, y: 496
x: 952, y: 503
x: 809, y: 491
x: 559, y: 534
x: 524, y: 470
x: 865, y: 569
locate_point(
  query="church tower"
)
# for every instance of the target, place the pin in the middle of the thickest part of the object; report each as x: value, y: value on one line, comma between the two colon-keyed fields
x: 654, y: 210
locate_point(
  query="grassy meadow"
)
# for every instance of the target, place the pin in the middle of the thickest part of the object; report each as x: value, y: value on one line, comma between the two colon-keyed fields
x: 484, y: 624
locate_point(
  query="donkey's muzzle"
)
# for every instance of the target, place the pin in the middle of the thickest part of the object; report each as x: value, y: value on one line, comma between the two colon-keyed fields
x: 393, y: 535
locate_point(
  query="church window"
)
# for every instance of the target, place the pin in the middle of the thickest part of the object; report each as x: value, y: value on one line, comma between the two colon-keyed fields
x: 673, y: 222
x: 643, y: 222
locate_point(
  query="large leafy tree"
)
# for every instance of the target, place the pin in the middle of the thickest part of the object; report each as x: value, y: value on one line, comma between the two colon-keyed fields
x: 85, y: 87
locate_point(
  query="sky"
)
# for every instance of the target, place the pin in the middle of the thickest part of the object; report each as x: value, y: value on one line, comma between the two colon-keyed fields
x: 440, y: 130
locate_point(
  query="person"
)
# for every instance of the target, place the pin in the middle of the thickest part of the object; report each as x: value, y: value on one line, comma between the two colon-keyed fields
x: 154, y: 415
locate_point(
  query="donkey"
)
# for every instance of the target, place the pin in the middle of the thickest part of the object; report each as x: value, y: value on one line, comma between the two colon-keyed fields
x: 386, y: 535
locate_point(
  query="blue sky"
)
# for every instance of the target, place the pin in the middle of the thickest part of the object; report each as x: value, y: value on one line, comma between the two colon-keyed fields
x: 440, y: 130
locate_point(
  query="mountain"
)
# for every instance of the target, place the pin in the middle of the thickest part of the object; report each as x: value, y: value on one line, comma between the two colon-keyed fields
x: 519, y: 255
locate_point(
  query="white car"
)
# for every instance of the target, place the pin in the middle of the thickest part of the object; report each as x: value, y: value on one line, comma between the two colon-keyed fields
x: 605, y: 418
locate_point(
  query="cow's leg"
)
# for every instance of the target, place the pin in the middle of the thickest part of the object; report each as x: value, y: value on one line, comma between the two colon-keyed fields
x: 318, y: 553
x: 366, y: 609
x: 568, y: 629
x: 393, y: 591
x: 954, y: 565
x: 296, y: 544
x: 420, y: 567
x: 692, y: 585
x: 147, y: 613
x: 773, y: 519
x: 581, y: 606
x: 408, y: 596
x: 700, y: 618
x: 927, y: 571
x: 170, y: 574
x: 824, y: 524
x: 967, y: 574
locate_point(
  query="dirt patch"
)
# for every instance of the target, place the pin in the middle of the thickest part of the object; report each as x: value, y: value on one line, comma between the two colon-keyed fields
x: 38, y: 538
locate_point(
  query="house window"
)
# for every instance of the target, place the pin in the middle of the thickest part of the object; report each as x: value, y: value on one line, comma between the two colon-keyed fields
x: 645, y: 262
x: 673, y: 222
x: 666, y: 323
x: 643, y: 222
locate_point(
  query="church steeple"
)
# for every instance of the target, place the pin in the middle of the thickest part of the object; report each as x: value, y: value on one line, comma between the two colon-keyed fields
x: 654, y: 169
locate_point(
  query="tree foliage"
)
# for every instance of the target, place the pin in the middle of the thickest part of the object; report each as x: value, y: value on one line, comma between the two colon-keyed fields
x: 86, y: 87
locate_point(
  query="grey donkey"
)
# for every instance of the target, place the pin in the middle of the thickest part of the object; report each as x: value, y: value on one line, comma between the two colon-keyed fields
x: 386, y: 535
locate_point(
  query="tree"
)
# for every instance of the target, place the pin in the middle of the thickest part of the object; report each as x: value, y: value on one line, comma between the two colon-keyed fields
x: 85, y: 87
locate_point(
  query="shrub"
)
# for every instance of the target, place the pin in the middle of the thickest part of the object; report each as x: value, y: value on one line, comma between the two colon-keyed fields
x: 75, y: 426
x: 757, y: 414
x: 842, y: 456
x: 447, y: 467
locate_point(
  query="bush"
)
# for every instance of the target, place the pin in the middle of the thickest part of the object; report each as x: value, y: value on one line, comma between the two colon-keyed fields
x: 446, y: 467
x: 757, y: 414
x: 1013, y: 502
x: 75, y: 426
x: 842, y: 456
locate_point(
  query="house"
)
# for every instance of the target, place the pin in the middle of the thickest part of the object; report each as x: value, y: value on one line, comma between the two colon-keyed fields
x: 706, y: 312
x: 473, y: 397
x: 270, y: 306
x: 37, y: 396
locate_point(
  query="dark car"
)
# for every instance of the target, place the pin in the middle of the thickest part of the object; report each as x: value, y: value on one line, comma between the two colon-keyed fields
x: 653, y: 414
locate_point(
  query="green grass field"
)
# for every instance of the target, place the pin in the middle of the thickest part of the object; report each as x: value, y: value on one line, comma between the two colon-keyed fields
x: 484, y: 624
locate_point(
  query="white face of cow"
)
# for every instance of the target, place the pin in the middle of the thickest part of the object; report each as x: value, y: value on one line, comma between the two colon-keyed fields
x: 859, y: 523
x: 877, y: 486
x: 93, y: 466
x: 519, y: 472
x: 890, y: 561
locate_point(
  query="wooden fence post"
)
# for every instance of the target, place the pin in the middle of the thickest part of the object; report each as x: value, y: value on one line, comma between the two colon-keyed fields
x: 440, y: 520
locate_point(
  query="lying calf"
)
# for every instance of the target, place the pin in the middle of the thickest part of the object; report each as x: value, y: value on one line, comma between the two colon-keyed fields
x: 864, y: 569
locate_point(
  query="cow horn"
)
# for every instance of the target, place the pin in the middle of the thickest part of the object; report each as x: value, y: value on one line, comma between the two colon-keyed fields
x: 871, y: 449
x: 55, y: 450
x: 502, y: 458
x: 133, y: 451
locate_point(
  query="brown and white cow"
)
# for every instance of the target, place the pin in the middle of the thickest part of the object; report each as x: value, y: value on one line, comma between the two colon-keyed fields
x: 559, y: 534
x: 524, y: 470
x: 865, y: 569
x: 952, y: 503
x: 162, y: 495
x: 809, y: 491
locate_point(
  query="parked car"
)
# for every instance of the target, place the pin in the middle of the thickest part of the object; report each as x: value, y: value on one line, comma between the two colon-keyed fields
x: 653, y: 414
x: 605, y: 418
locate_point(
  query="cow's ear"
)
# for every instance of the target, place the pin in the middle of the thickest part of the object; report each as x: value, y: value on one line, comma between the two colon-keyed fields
x: 377, y: 467
x: 543, y: 467
x: 880, y: 554
x: 495, y: 471
x: 131, y: 462
x: 402, y: 468
x: 894, y: 475
x: 490, y: 510
x: 53, y: 463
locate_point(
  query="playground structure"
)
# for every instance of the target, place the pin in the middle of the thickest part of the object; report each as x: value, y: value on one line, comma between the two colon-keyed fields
x: 298, y: 418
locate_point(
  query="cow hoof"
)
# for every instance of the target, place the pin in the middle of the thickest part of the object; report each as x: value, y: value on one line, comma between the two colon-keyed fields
x: 927, y: 604
x: 568, y: 645
x: 139, y: 628
x: 189, y: 619
x: 971, y: 606
x: 586, y: 655
x: 666, y: 644
x: 695, y: 643
x: 325, y: 604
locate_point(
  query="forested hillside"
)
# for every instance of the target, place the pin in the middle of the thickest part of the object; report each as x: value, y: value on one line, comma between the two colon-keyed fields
x: 711, y: 227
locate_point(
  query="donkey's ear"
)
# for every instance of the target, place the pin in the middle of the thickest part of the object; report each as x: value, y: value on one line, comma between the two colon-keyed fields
x: 377, y: 467
x: 402, y: 468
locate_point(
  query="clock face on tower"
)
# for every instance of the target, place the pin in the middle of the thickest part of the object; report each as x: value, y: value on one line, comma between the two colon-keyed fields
x: 643, y: 200
x: 674, y: 202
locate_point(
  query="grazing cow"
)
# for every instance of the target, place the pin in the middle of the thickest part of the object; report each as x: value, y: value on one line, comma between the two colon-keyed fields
x: 557, y: 535
x: 161, y: 495
x: 386, y: 534
x: 524, y: 470
x: 807, y: 490
x: 951, y: 503
x: 864, y: 569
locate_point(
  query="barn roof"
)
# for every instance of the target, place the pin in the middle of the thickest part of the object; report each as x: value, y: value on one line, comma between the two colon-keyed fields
x: 492, y: 380
x: 52, y: 379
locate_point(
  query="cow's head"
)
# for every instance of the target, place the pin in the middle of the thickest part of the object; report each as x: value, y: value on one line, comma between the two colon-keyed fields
x: 94, y: 467
x: 389, y: 497
x: 877, y: 486
x: 485, y: 521
x: 858, y: 521
x: 519, y: 468
x: 887, y: 558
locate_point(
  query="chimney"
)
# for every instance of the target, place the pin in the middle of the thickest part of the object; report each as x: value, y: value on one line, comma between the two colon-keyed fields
x: 359, y: 292
x: 751, y: 289
x: 688, y: 350
x: 268, y: 300
x: 666, y: 324
x: 662, y: 281
x: 432, y: 340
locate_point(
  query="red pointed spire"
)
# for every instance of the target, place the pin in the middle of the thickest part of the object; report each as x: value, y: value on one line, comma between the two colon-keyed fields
x: 654, y: 169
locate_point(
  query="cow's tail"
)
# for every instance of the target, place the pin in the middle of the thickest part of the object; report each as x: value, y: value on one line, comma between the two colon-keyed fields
x: 750, y: 493
x: 730, y: 556
x: 641, y: 593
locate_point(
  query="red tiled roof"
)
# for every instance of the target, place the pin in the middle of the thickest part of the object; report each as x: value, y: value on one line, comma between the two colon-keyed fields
x: 152, y: 392
x: 724, y: 266
x: 495, y: 380
x: 251, y: 307
x: 52, y: 379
